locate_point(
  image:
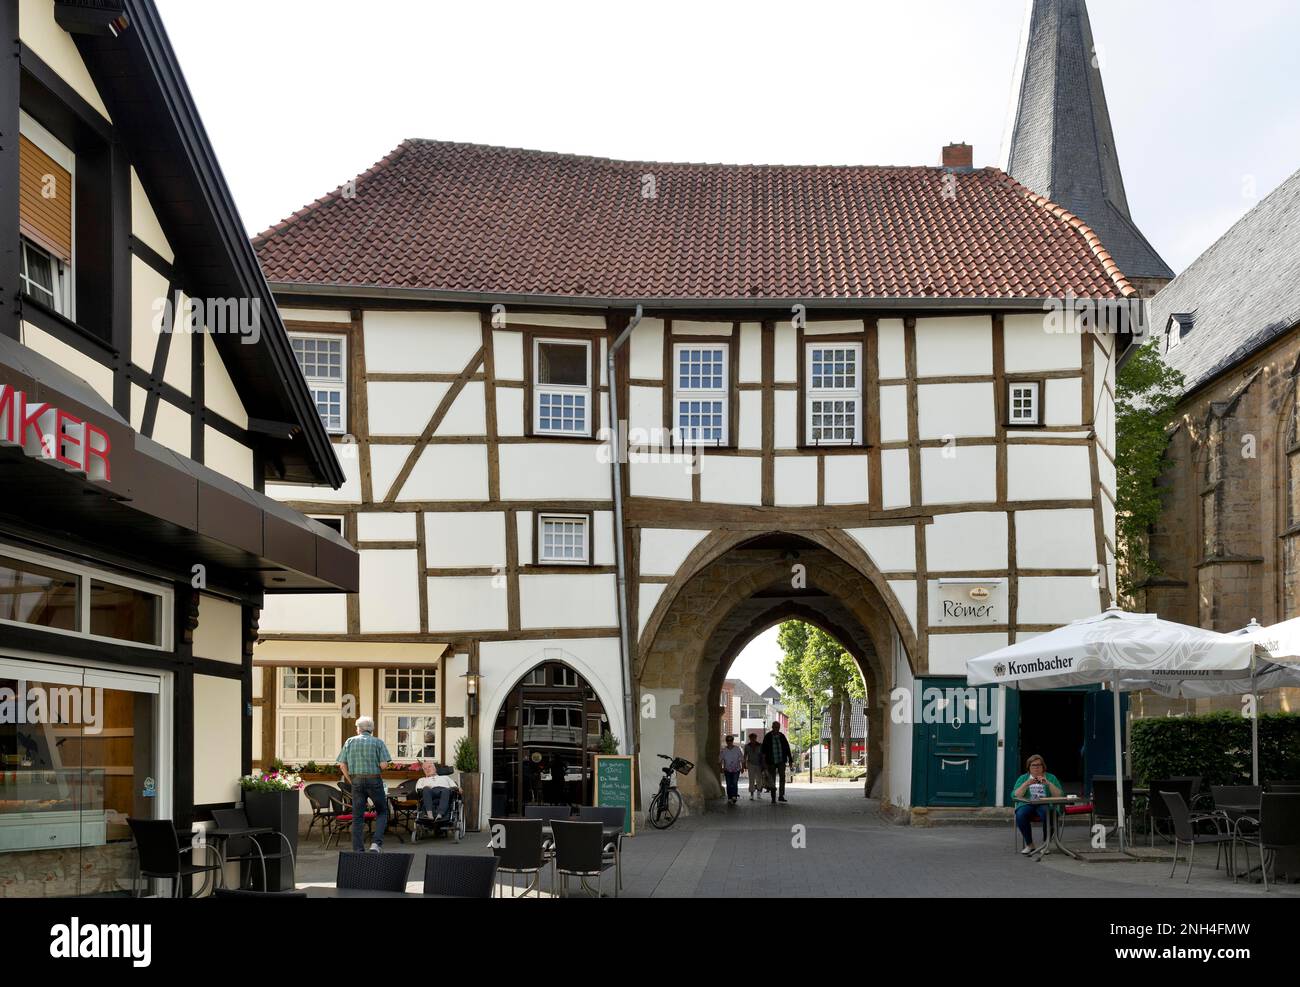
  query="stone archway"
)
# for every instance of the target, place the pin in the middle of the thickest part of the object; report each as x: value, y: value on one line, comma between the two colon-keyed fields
x: 735, y: 586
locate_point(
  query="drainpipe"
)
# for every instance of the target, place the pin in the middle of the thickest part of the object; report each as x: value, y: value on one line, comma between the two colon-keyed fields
x: 620, y: 563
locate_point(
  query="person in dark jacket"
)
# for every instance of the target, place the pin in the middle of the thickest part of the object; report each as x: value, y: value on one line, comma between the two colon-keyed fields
x: 776, y: 758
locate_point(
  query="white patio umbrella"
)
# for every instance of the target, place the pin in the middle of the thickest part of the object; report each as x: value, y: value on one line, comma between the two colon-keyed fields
x: 1118, y: 649
x: 1281, y: 670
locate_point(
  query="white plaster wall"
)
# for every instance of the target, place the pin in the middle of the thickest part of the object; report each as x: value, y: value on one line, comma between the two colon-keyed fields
x: 1056, y: 599
x: 892, y: 547
x: 535, y: 471
x: 451, y: 472
x: 1047, y: 472
x: 950, y: 652
x: 686, y: 327
x: 893, y: 414
x: 386, y: 462
x: 967, y: 541
x: 218, y: 719
x: 731, y: 479
x: 602, y: 539
x: 786, y: 343
x: 386, y: 526
x: 904, y: 591
x: 219, y: 634
x: 786, y: 426
x: 898, y: 775
x: 646, y: 350
x: 663, y: 550
x: 647, y: 597
x: 1029, y: 346
x: 91, y: 371
x: 832, y: 326
x: 55, y: 47
x: 510, y: 411
x: 144, y: 221
x: 219, y: 392
x: 645, y: 413
x: 665, y: 480
x: 564, y: 600
x: 304, y: 613
x: 795, y: 481
x: 148, y: 291
x: 228, y: 457
x: 508, y: 355
x: 468, y: 412
x: 420, y: 342
x: 954, y: 345
x: 895, y: 480
x: 402, y: 407
x: 893, y: 352
x: 750, y: 370
x: 171, y: 427
x: 460, y: 539
x: 390, y: 592
x: 179, y: 353
x: 1063, y: 402
x: 524, y: 536
x: 955, y: 410
x: 967, y: 475
x: 846, y: 479
x: 657, y: 736
x: 315, y: 315
x: 1055, y: 539
x: 467, y: 603
x: 751, y: 420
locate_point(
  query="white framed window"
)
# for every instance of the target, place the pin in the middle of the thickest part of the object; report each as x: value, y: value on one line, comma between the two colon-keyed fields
x: 563, y: 539
x: 68, y: 598
x: 323, y: 361
x: 1022, y: 403
x: 410, y: 737
x: 47, y: 216
x: 562, y: 390
x: 536, y: 676
x: 410, y: 686
x: 566, y: 677
x: 700, y: 393
x: 45, y: 278
x: 335, y: 521
x: 834, y: 393
x: 310, y: 713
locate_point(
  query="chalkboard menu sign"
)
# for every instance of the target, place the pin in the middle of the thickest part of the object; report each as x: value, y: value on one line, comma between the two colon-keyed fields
x: 615, y: 785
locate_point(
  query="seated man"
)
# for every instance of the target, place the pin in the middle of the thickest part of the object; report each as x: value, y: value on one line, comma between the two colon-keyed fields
x: 435, y: 792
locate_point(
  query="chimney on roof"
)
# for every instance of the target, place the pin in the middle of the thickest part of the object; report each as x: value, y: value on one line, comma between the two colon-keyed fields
x: 958, y: 156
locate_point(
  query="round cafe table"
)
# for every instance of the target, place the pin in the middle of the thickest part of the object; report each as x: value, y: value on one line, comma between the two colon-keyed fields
x: 1053, y: 830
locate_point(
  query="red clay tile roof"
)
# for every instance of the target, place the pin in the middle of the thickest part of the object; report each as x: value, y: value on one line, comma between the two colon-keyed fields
x: 470, y: 218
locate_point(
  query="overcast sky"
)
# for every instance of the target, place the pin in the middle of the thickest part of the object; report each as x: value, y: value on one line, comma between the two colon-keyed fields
x: 300, y: 95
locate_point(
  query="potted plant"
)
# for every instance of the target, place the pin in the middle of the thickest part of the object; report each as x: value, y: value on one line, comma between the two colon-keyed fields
x: 271, y: 798
x: 465, y: 760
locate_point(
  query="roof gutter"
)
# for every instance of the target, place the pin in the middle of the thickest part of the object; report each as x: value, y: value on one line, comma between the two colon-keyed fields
x: 620, y: 561
x: 389, y: 293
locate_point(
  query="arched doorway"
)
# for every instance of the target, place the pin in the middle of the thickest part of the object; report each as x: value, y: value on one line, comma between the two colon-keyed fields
x: 547, y: 728
x: 735, y: 586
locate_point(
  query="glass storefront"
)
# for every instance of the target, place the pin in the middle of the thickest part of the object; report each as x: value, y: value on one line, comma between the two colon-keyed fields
x: 546, y: 733
x: 79, y: 754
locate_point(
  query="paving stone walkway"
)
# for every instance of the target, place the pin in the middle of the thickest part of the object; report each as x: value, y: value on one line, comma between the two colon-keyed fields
x: 752, y: 850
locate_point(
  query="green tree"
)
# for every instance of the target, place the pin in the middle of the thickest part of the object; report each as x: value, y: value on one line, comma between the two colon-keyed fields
x: 815, y: 668
x: 1147, y: 390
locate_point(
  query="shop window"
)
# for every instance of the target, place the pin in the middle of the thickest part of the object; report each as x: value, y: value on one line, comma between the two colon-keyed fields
x: 834, y: 394
x: 563, y: 539
x: 700, y: 394
x: 34, y: 594
x: 1023, y: 403
x: 562, y: 392
x: 125, y: 614
x: 322, y: 359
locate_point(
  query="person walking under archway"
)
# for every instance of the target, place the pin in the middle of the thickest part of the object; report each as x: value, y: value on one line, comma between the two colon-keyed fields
x: 776, y: 757
x: 754, y: 765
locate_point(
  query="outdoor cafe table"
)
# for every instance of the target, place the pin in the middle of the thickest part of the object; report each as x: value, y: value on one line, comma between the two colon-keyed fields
x: 1053, y: 830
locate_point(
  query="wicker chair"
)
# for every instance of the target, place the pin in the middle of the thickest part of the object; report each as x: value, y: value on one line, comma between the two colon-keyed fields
x: 373, y: 871
x: 459, y: 875
x: 325, y: 801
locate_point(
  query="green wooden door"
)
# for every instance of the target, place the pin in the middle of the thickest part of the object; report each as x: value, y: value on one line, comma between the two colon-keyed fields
x: 954, y: 756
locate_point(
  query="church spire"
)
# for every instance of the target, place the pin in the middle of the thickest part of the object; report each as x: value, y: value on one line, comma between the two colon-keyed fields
x: 1061, y: 144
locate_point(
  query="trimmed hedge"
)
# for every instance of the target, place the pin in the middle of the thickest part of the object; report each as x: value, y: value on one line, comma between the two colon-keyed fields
x: 1216, y: 746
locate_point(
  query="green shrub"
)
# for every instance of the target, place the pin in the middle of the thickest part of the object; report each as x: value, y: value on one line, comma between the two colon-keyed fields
x: 466, y: 755
x: 1216, y: 746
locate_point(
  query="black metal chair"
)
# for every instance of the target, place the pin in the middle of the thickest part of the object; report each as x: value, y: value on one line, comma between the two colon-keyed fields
x: 609, y: 816
x: 1184, y: 824
x: 373, y: 871
x: 1277, y: 828
x: 248, y: 893
x: 250, y: 848
x: 1235, y: 795
x: 1105, y: 804
x: 159, y: 851
x: 548, y: 814
x: 460, y: 875
x: 325, y: 801
x: 580, y: 853
x: 1284, y: 787
x: 517, y: 846
x: 1157, y: 810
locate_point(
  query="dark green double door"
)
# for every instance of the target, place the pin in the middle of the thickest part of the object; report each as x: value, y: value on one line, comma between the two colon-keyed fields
x: 954, y: 745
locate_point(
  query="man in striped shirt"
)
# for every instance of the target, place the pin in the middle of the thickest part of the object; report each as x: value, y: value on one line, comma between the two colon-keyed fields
x: 361, y: 761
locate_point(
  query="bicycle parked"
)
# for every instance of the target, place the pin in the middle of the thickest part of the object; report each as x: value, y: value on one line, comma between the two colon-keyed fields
x: 666, y: 805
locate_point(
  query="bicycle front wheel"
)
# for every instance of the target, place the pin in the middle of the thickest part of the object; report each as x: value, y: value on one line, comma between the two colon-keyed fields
x: 664, y: 809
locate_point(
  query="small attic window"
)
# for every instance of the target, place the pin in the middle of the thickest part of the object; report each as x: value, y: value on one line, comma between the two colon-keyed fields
x: 1180, y: 324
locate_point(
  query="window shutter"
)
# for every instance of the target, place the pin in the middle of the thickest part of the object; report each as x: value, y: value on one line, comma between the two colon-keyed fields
x: 44, y: 204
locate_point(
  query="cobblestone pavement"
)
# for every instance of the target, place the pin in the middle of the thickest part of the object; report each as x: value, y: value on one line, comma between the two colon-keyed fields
x: 748, y: 850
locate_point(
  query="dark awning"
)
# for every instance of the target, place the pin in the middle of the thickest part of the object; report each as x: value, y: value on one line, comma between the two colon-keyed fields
x: 158, y: 505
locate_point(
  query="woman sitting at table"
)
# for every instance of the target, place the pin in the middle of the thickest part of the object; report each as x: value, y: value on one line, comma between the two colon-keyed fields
x: 1034, y: 784
x: 434, y: 791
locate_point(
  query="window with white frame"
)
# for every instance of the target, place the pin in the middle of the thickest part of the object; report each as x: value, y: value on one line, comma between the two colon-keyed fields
x: 44, y: 277
x: 410, y: 737
x: 408, y: 712
x: 562, y: 390
x: 700, y: 389
x: 834, y: 393
x: 46, y: 215
x: 563, y: 539
x: 310, y: 714
x: 536, y: 676
x: 1022, y: 403
x: 565, y: 676
x: 323, y: 361
x: 410, y: 686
